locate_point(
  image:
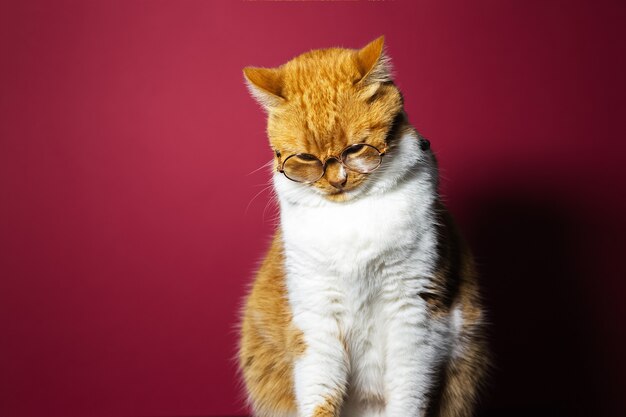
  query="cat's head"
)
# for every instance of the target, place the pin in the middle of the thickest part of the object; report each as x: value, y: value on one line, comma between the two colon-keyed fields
x: 321, y: 102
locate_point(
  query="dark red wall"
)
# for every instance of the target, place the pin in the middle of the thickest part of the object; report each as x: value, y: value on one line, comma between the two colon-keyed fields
x: 131, y: 220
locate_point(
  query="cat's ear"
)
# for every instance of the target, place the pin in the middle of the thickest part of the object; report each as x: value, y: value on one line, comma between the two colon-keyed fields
x: 374, y: 65
x: 265, y: 85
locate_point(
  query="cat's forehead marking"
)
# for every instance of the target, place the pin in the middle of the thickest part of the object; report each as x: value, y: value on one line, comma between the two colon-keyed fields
x: 316, y: 87
x: 325, y: 109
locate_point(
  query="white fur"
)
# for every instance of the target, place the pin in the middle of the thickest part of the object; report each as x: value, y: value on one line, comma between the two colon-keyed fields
x: 355, y: 270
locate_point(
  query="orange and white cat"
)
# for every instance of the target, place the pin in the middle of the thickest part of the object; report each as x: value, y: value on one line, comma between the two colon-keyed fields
x: 367, y: 302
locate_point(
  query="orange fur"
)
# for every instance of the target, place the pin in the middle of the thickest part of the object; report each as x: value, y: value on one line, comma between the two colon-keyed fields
x: 457, y: 285
x: 269, y: 341
x: 330, y: 408
x: 352, y: 102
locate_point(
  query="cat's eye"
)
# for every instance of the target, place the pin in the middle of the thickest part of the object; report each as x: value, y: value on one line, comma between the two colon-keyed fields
x: 361, y: 157
x: 303, y: 168
x: 307, y: 168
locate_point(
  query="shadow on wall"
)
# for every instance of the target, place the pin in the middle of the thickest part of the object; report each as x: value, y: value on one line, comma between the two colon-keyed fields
x: 532, y: 255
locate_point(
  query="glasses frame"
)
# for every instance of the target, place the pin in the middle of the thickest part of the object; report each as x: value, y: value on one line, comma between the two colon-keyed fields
x: 340, y: 159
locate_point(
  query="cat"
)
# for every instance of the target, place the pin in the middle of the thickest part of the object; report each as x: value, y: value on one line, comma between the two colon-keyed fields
x: 367, y: 302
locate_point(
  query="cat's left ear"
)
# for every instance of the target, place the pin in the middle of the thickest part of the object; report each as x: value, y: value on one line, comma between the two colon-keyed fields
x: 265, y: 85
x: 374, y: 65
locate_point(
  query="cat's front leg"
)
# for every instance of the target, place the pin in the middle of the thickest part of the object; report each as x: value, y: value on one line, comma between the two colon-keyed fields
x: 321, y: 371
x: 411, y: 361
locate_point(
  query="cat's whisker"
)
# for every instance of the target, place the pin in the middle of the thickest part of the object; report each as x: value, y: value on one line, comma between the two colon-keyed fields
x: 255, y: 196
x: 265, y: 165
x: 263, y: 184
x: 272, y: 201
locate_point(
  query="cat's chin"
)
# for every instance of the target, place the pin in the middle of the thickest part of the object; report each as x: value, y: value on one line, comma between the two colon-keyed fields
x: 340, y: 196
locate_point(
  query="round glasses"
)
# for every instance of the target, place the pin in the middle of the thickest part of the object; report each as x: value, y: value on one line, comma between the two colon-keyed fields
x: 307, y: 168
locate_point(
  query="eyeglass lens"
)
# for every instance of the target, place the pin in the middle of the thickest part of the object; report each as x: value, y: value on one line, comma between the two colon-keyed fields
x: 361, y: 158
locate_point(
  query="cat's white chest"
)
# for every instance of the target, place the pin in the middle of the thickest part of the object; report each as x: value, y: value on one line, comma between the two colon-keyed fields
x: 352, y: 264
x: 351, y: 238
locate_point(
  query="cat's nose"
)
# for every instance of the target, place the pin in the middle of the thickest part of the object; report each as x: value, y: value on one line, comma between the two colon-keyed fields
x: 336, y: 174
x: 338, y: 184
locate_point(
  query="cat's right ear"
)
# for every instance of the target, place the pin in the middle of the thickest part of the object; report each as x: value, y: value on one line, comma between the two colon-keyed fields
x: 374, y: 64
x: 265, y: 85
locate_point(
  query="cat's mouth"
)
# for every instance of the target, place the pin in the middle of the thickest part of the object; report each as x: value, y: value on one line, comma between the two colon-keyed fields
x: 340, y: 195
x: 337, y: 196
x: 349, y: 192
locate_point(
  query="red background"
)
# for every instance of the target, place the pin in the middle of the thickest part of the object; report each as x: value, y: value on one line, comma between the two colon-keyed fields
x: 129, y: 226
